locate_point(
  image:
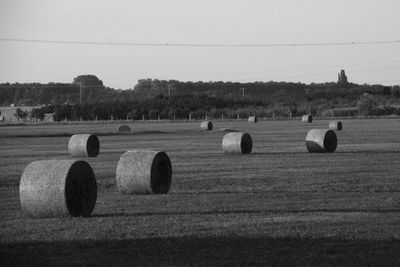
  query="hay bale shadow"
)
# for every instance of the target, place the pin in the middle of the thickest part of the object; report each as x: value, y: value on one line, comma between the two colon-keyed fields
x: 205, y: 251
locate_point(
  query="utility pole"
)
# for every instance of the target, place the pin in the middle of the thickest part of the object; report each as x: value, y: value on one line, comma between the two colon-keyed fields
x: 169, y: 90
x: 80, y: 92
x: 243, y: 92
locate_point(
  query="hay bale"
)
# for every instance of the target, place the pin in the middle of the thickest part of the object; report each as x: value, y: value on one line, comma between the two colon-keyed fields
x: 321, y: 140
x: 58, y: 188
x: 253, y: 119
x: 307, y: 118
x: 335, y: 125
x: 124, y: 129
x: 237, y: 143
x: 83, y: 145
x: 144, y: 172
x: 227, y: 130
x: 206, y: 125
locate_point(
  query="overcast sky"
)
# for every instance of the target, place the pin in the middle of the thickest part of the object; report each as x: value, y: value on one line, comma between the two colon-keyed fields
x: 200, y: 22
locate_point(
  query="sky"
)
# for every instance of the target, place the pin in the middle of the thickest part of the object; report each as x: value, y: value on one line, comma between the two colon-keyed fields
x: 215, y: 22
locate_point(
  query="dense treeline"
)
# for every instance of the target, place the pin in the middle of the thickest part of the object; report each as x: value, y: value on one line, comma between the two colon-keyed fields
x: 268, y: 92
x: 87, y: 98
x: 198, y: 107
x: 175, y: 107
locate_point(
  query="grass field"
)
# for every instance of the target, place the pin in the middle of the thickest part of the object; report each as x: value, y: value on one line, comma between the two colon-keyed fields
x: 279, y: 205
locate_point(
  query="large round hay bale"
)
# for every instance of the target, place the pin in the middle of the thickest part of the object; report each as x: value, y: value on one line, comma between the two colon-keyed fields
x: 321, y: 140
x: 253, y: 119
x: 237, y: 143
x: 58, y: 188
x: 124, y: 129
x: 144, y: 172
x: 83, y: 145
x: 335, y: 125
x: 206, y: 125
x: 307, y: 118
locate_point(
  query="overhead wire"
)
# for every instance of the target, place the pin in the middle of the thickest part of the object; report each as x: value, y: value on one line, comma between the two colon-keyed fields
x: 320, y: 74
x: 47, y: 41
x: 238, y: 45
x: 265, y: 78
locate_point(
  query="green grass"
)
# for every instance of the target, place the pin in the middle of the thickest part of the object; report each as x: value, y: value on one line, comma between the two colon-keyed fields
x: 279, y: 205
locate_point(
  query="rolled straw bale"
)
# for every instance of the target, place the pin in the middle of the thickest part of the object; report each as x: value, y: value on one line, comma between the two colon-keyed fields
x: 206, y: 125
x: 144, y: 172
x: 321, y: 140
x: 307, y: 118
x: 237, y: 143
x: 253, y: 119
x: 124, y: 129
x: 335, y: 125
x: 58, y: 188
x: 226, y: 130
x: 83, y: 145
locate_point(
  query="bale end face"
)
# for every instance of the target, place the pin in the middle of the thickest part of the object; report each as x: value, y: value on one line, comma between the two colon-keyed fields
x: 80, y: 189
x: 321, y: 140
x: 246, y: 144
x: 58, y: 188
x: 93, y: 146
x: 161, y: 173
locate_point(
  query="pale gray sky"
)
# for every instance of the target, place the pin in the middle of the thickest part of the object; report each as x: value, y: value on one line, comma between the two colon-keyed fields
x: 193, y: 22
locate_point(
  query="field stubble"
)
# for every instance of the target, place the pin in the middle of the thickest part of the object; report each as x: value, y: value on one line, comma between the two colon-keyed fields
x: 278, y: 205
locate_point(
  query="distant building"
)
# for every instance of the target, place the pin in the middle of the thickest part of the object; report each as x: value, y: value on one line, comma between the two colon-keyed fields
x: 48, y: 117
x: 8, y: 113
x: 342, y: 78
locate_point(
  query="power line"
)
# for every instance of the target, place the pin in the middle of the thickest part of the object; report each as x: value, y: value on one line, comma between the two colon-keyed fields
x: 393, y: 81
x: 264, y: 72
x: 267, y: 71
x: 317, y: 74
x: 43, y: 41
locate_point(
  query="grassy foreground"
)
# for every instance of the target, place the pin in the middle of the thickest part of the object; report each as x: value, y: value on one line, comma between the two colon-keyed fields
x: 279, y: 205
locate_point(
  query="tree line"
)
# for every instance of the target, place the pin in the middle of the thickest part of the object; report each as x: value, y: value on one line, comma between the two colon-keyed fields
x: 160, y: 107
x: 199, y: 107
x: 87, y: 98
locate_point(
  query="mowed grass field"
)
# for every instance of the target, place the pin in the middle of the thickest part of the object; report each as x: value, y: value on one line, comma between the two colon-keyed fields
x: 279, y: 205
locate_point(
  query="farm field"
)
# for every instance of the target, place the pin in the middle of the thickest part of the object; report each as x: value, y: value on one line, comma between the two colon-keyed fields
x: 279, y: 205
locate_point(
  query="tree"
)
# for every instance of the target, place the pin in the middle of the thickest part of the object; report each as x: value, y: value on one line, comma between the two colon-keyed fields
x: 38, y: 113
x: 18, y: 95
x: 88, y: 80
x: 367, y: 104
x: 21, y: 114
x: 342, y: 78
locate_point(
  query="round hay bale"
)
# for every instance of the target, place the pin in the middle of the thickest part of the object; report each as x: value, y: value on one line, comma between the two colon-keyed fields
x: 124, y: 129
x: 335, y: 125
x: 144, y: 172
x: 58, y: 188
x: 253, y: 119
x: 307, y: 118
x: 321, y: 140
x: 83, y: 145
x: 206, y: 125
x: 237, y: 143
x: 226, y: 130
